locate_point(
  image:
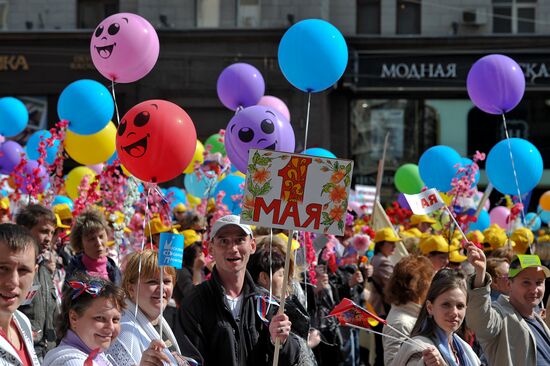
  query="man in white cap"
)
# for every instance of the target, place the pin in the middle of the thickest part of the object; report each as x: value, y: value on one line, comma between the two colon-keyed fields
x: 219, y: 316
x: 509, y: 330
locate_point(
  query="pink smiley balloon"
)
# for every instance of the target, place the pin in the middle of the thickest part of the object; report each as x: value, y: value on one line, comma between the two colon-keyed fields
x: 124, y: 47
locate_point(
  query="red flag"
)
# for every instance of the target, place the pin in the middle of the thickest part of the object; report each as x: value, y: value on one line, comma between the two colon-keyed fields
x: 347, y: 312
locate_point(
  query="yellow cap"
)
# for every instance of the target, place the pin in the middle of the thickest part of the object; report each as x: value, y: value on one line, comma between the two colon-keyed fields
x: 544, y: 239
x: 180, y: 207
x: 295, y: 244
x: 386, y: 234
x: 155, y: 226
x: 456, y: 257
x: 411, y: 233
x: 522, y: 238
x: 418, y: 219
x: 59, y: 224
x: 63, y: 210
x: 433, y: 243
x: 5, y: 203
x: 495, y: 237
x: 476, y: 236
x: 190, y: 236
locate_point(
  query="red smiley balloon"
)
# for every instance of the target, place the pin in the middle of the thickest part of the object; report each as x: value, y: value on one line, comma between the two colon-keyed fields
x: 156, y: 140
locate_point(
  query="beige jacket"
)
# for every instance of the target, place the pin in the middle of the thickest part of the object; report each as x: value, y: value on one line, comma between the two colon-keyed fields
x: 382, y: 270
x: 505, y: 337
x: 402, y: 318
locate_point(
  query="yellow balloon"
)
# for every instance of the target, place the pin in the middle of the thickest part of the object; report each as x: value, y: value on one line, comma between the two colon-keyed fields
x: 198, y: 156
x: 125, y: 171
x: 75, y: 176
x: 193, y: 201
x: 92, y: 149
x: 239, y: 174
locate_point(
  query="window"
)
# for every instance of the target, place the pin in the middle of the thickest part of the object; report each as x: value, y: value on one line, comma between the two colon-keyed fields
x: 3, y: 14
x: 91, y: 12
x: 514, y: 16
x: 208, y: 13
x: 408, y: 16
x: 368, y: 16
x: 249, y: 13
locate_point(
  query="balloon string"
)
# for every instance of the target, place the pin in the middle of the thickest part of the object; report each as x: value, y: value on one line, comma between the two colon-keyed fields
x: 270, y: 270
x: 514, y: 170
x: 114, y: 99
x: 307, y: 118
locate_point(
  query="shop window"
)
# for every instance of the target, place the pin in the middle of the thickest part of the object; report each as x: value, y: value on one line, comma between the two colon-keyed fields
x: 208, y: 13
x: 368, y: 16
x: 408, y: 16
x: 91, y: 12
x: 412, y: 128
x: 249, y: 13
x: 3, y: 14
x: 514, y: 16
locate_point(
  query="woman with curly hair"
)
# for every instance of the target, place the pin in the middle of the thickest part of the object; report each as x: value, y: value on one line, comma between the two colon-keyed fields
x: 405, y: 291
x: 89, y: 241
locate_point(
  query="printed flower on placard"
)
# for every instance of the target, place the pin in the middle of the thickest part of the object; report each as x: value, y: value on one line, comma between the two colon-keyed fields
x: 338, y: 193
x: 337, y: 213
x: 337, y: 176
x: 248, y: 201
x: 261, y: 175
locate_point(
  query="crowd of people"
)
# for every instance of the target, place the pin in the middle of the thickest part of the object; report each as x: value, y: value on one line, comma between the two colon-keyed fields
x: 67, y: 297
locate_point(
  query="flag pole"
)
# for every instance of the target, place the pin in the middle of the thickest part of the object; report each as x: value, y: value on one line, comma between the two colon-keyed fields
x: 283, y: 296
x: 407, y: 340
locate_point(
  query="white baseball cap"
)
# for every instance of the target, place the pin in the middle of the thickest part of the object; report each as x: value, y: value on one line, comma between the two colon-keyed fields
x: 229, y: 220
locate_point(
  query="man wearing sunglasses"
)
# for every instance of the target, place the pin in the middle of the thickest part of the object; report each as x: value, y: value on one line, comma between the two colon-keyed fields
x: 219, y: 316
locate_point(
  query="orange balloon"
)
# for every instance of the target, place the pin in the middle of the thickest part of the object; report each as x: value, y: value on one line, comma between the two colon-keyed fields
x: 544, y: 201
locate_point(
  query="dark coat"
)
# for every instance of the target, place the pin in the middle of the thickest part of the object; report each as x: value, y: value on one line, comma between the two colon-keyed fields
x: 76, y: 265
x: 43, y: 311
x: 205, y: 318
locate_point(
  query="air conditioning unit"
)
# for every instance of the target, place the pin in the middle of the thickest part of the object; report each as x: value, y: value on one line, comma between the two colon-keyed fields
x: 477, y: 16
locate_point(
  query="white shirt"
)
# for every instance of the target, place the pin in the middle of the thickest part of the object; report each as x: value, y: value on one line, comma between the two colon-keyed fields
x: 235, y: 305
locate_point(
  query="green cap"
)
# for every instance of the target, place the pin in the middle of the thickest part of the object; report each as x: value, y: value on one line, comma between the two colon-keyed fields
x: 526, y: 261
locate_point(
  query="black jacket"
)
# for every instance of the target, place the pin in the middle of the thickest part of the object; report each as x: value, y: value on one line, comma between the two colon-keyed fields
x: 207, y: 321
x: 76, y: 265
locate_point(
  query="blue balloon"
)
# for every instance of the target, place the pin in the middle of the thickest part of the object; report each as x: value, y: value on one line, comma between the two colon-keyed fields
x: 34, y: 143
x: 87, y: 105
x: 532, y: 221
x: 231, y: 185
x: 313, y: 55
x: 63, y: 199
x: 178, y: 196
x: 113, y: 158
x: 318, y: 151
x: 437, y: 167
x: 465, y: 163
x: 527, y: 162
x: 544, y: 215
x: 482, y: 223
x: 200, y: 186
x: 13, y: 116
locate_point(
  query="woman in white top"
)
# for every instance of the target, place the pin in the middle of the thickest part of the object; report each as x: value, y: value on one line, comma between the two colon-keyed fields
x: 89, y: 323
x: 141, y: 322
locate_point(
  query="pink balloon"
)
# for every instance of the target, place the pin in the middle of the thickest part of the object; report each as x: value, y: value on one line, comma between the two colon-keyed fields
x: 124, y: 47
x: 499, y: 215
x: 96, y: 167
x: 275, y: 103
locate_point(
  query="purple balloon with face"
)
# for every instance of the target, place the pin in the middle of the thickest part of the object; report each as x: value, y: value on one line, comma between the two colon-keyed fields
x: 257, y: 127
x: 10, y: 156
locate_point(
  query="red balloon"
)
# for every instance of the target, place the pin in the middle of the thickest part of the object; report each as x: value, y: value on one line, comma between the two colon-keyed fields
x: 156, y: 140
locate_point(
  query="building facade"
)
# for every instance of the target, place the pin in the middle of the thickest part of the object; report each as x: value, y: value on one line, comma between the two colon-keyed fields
x: 406, y: 73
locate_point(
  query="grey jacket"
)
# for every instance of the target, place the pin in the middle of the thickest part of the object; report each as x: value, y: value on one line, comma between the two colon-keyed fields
x: 42, y: 312
x: 505, y: 337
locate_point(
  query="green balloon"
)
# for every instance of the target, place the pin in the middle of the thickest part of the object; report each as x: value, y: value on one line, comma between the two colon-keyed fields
x: 407, y: 179
x: 216, y: 144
